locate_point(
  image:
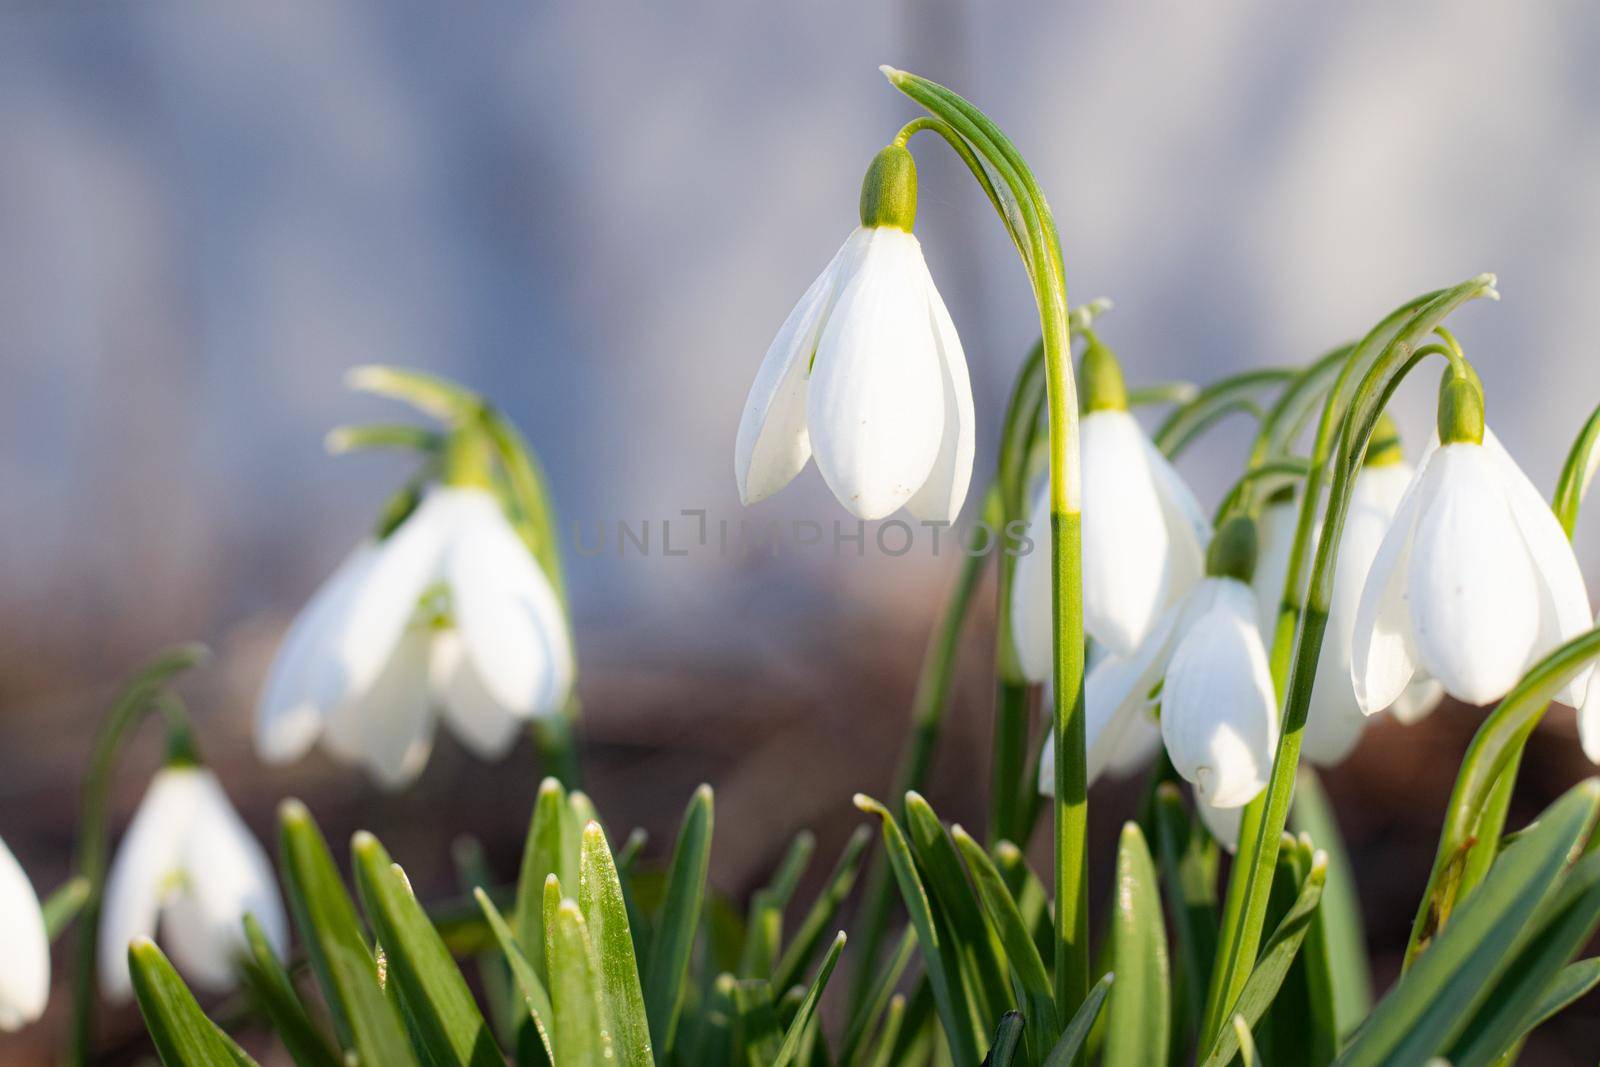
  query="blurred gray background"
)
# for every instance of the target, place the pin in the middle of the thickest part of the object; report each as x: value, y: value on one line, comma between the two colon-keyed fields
x: 599, y: 214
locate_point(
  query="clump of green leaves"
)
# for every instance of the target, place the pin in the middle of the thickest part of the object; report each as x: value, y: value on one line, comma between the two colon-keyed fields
x: 593, y: 961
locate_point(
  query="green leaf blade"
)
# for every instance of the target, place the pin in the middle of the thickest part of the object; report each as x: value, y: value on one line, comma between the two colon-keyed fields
x: 1434, y: 1001
x: 942, y: 963
x: 605, y: 912
x: 668, y: 965
x: 1139, y: 1023
x: 420, y: 967
x: 273, y: 992
x: 534, y: 995
x: 183, y: 1036
x: 366, y: 1019
x: 578, y: 1032
x: 790, y: 1050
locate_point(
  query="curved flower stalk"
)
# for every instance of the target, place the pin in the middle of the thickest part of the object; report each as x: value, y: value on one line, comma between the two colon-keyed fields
x: 1144, y: 534
x: 145, y: 693
x: 25, y: 959
x: 1475, y: 579
x: 1028, y: 222
x: 187, y: 872
x: 867, y: 374
x: 446, y: 614
x: 1371, y: 372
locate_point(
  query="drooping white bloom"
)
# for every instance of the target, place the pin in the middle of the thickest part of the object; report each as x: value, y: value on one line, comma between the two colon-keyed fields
x: 186, y: 874
x: 449, y: 614
x: 1218, y: 717
x: 1218, y: 714
x: 1144, y: 539
x: 1474, y: 581
x: 24, y: 947
x: 866, y: 375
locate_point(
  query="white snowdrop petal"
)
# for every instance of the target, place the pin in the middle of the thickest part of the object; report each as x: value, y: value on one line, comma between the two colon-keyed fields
x: 303, y: 682
x: 1030, y: 595
x: 148, y: 865
x: 1418, y: 701
x: 1218, y: 714
x: 773, y: 444
x: 25, y: 959
x: 226, y: 876
x: 512, y: 626
x: 1188, y: 527
x: 1563, y: 598
x: 1474, y: 601
x: 1334, y: 721
x: 1383, y: 658
x: 406, y: 563
x: 1139, y: 744
x: 1275, y: 541
x: 388, y: 728
x: 1589, y: 724
x: 1223, y: 823
x: 479, y: 721
x: 941, y: 496
x: 1116, y: 696
x: 1126, y: 548
x: 875, y: 406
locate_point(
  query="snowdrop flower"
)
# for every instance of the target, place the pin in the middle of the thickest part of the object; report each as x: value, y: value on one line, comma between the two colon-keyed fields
x: 1475, y: 579
x: 189, y: 866
x: 449, y: 614
x: 1144, y: 534
x: 1219, y: 719
x: 24, y: 947
x: 866, y: 374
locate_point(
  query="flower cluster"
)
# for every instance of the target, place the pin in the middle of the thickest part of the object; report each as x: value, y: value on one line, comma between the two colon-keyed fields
x: 1453, y: 577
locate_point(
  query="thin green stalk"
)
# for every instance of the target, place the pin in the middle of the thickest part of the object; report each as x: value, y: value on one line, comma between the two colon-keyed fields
x: 1221, y: 398
x: 138, y: 698
x: 1378, y: 364
x: 1043, y: 261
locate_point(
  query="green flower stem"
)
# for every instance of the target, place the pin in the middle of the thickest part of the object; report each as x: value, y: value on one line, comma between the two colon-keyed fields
x: 1490, y: 760
x: 1047, y: 274
x: 1158, y: 394
x: 1261, y: 477
x: 928, y: 706
x: 962, y: 149
x: 138, y: 698
x: 1577, y: 473
x: 1305, y: 393
x: 1215, y: 402
x: 342, y: 439
x: 1377, y: 365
